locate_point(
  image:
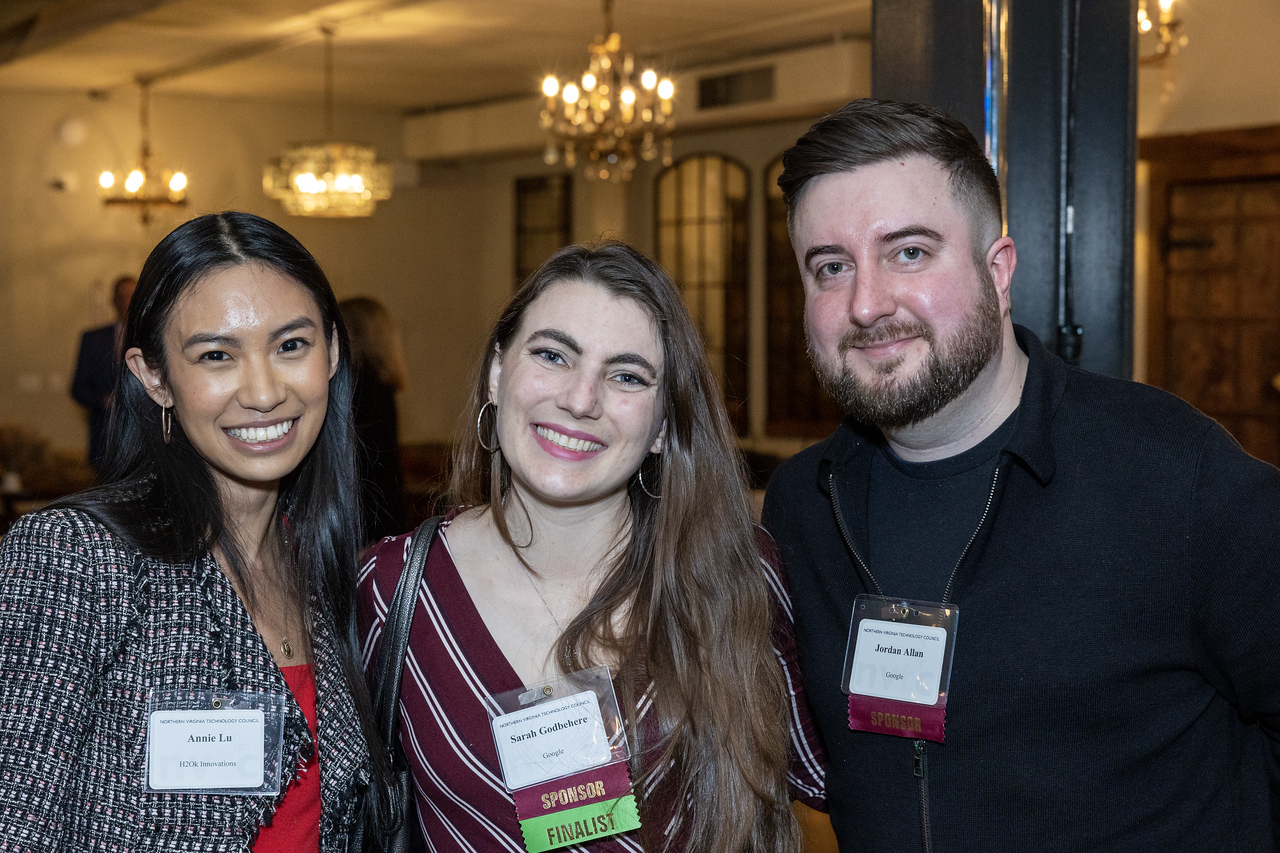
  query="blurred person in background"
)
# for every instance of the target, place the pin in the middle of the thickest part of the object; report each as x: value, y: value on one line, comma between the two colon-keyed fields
x: 96, y: 366
x: 378, y: 358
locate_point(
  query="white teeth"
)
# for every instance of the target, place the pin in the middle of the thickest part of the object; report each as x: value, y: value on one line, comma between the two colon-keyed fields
x: 253, y: 435
x: 579, y: 444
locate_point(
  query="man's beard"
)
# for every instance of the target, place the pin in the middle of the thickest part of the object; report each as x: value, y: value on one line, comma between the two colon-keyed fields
x: 891, y: 403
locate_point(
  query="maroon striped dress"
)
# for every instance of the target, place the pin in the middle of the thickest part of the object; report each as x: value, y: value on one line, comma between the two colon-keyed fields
x: 454, y: 666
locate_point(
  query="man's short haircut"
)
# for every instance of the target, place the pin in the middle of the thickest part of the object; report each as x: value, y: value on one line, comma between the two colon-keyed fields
x: 866, y: 132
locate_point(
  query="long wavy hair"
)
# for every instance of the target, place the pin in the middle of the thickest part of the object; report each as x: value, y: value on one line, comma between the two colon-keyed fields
x: 162, y: 497
x: 694, y: 607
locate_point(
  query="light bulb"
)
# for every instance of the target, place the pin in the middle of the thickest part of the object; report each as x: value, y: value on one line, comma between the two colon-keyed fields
x: 550, y: 86
x: 1166, y: 6
x: 570, y: 93
x: 134, y: 182
x: 106, y: 180
x: 1145, y: 25
x: 666, y: 89
x: 588, y: 81
x: 178, y: 182
x: 649, y: 79
x: 628, y: 96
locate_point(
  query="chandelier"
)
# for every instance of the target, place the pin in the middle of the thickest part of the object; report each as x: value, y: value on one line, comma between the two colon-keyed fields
x: 332, y: 179
x: 143, y: 188
x: 602, y: 120
x: 1167, y: 33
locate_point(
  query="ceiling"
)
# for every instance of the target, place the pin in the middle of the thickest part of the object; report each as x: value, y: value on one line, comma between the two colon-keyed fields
x: 409, y: 55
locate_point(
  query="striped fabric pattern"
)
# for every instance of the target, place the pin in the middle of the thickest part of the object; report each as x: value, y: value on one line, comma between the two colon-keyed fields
x: 454, y: 666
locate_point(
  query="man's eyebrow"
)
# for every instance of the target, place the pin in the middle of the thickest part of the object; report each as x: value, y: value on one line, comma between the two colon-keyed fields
x: 292, y: 326
x: 559, y: 337
x: 912, y: 231
x: 813, y: 251
x: 632, y: 358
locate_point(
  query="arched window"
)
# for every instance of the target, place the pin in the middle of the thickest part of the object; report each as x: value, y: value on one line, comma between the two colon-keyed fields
x: 797, y: 405
x: 702, y: 241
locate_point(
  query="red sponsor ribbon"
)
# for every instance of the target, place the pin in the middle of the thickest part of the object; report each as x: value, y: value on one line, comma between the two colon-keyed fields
x: 600, y: 783
x: 904, y: 719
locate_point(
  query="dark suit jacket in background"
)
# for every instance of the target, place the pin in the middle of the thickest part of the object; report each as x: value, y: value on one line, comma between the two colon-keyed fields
x: 94, y: 381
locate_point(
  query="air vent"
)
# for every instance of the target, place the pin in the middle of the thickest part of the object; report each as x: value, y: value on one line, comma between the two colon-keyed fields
x: 740, y: 87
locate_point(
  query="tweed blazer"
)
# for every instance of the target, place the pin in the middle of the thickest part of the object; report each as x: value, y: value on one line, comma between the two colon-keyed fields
x: 88, y: 627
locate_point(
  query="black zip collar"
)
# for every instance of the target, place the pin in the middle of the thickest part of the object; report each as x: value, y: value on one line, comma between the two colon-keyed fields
x: 1030, y: 443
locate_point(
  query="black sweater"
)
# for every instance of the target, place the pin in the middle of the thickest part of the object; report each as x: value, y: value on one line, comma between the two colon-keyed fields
x: 1116, y: 682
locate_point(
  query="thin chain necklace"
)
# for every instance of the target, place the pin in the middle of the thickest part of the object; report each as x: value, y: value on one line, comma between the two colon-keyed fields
x: 529, y: 577
x: 565, y: 653
x: 286, y: 648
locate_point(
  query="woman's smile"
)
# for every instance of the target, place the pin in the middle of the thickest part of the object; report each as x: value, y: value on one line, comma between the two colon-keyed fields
x: 567, y: 444
x: 262, y: 437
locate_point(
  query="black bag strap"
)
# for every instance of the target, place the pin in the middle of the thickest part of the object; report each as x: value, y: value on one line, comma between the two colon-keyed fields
x: 395, y: 635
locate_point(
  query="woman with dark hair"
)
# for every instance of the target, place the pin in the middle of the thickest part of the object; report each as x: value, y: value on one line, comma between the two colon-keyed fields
x: 604, y: 522
x: 178, y: 665
x: 380, y: 373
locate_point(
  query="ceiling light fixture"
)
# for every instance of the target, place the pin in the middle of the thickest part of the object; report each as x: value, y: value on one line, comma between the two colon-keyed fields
x: 1165, y: 29
x: 600, y: 119
x: 142, y: 187
x: 332, y: 179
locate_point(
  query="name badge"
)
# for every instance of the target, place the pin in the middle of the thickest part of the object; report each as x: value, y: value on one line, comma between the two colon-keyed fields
x: 562, y: 748
x: 551, y: 740
x: 898, y: 666
x: 200, y: 742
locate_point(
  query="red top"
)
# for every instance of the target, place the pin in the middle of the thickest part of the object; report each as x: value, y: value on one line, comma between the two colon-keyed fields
x: 296, y: 825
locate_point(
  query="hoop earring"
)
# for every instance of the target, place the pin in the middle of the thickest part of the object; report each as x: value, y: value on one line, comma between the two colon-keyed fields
x: 640, y: 477
x: 166, y: 423
x: 479, y: 433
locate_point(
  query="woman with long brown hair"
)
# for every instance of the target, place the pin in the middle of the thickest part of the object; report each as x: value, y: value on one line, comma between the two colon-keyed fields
x: 605, y: 522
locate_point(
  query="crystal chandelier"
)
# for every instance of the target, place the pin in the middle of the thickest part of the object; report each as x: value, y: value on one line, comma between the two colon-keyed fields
x: 1167, y: 33
x: 143, y: 188
x: 333, y: 179
x: 601, y: 121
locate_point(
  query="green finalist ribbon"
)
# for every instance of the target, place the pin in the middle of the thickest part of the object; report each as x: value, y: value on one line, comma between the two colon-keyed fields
x: 583, y: 823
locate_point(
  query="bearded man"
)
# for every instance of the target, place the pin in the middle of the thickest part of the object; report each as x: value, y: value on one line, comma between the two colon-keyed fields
x: 1034, y: 605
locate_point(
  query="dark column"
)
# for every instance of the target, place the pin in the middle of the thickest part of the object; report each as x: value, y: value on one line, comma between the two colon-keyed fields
x: 931, y: 51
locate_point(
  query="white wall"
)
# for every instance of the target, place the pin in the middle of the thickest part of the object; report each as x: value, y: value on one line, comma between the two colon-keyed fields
x: 1227, y: 75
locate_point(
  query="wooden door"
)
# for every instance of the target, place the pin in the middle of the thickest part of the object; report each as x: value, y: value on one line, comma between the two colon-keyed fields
x: 1215, y: 318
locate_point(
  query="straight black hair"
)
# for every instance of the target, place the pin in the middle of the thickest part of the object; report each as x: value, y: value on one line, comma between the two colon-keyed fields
x: 161, y: 496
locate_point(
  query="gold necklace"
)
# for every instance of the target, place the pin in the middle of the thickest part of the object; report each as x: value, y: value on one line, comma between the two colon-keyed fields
x: 286, y: 648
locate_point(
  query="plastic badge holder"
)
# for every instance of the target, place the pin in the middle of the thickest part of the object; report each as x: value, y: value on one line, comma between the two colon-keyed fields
x: 897, y: 666
x: 205, y: 742
x: 563, y: 750
x: 609, y: 737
